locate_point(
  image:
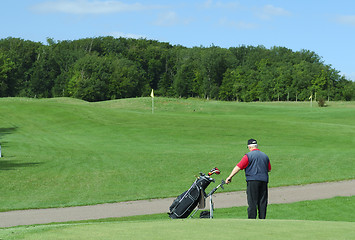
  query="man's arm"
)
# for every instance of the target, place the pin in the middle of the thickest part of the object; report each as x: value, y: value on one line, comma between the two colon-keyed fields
x: 235, y: 170
x: 240, y: 166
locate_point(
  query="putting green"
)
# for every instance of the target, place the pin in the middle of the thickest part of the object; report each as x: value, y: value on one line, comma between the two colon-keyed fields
x: 188, y: 229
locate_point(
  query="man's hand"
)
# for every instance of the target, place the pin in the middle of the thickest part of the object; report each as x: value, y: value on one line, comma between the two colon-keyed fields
x: 235, y: 170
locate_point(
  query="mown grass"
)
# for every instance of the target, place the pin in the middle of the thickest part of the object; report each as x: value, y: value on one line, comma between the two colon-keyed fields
x: 190, y: 229
x: 65, y: 152
x: 334, y: 209
x: 338, y: 223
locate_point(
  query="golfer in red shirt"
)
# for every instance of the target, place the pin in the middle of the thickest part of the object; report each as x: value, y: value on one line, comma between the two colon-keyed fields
x: 257, y: 167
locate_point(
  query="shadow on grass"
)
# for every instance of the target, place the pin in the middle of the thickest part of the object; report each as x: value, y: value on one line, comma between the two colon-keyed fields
x: 4, y: 131
x: 11, y: 165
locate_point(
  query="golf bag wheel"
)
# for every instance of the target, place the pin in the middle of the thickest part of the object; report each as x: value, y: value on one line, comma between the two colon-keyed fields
x: 205, y: 214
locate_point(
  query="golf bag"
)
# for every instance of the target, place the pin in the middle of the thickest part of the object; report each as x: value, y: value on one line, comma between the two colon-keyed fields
x: 184, y: 204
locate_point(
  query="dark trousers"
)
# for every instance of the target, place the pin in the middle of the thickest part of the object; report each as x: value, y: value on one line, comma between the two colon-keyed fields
x: 257, y: 194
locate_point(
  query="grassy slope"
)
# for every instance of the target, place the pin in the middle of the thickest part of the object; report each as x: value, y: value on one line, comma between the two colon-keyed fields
x: 61, y: 152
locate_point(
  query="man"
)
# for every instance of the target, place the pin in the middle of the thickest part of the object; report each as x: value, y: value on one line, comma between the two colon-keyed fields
x: 257, y: 167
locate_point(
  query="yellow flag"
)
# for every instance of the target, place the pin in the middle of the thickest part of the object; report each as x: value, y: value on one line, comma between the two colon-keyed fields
x: 152, y: 94
x: 310, y: 97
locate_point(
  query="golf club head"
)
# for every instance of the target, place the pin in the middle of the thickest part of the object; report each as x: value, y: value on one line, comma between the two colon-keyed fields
x: 214, y: 170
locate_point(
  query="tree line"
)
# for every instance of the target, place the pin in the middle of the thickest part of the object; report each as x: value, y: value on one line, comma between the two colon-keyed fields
x: 104, y: 68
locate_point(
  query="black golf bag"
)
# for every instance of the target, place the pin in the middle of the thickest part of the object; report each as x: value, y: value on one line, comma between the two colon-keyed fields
x: 184, y: 204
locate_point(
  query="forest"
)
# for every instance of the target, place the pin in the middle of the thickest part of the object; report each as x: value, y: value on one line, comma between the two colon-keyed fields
x: 105, y: 68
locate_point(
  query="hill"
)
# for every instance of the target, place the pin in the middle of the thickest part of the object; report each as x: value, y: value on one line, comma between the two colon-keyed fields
x: 65, y: 152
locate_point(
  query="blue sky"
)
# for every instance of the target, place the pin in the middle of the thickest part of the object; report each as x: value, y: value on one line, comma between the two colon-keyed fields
x: 323, y: 26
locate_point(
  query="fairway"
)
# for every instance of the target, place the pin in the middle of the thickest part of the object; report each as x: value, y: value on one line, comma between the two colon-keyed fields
x: 188, y: 229
x: 67, y: 152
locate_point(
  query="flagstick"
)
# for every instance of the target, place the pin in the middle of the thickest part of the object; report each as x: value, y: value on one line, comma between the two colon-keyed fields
x: 152, y: 96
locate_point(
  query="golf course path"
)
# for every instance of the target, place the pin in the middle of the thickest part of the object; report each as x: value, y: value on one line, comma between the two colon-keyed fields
x: 221, y: 200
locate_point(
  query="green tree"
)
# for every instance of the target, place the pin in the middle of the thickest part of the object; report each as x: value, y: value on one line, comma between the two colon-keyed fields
x: 23, y: 54
x: 104, y: 68
x: 188, y: 68
x: 127, y: 79
x: 215, y: 61
x: 184, y: 80
x: 227, y: 90
x: 43, y: 73
x: 66, y: 54
x: 6, y: 65
x: 90, y: 78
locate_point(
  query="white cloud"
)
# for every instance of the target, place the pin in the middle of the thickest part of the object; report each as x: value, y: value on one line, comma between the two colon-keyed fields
x: 208, y: 4
x: 228, y: 5
x: 347, y: 20
x: 88, y: 7
x: 269, y: 11
x: 220, y: 4
x: 126, y: 35
x: 167, y: 18
x: 236, y: 24
x: 171, y: 18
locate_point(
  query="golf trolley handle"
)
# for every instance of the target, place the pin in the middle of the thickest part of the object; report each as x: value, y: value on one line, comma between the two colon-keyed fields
x: 215, y: 189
